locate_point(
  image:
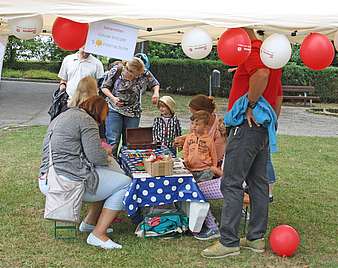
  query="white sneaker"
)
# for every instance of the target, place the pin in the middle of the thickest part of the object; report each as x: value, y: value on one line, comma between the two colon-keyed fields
x: 87, y: 228
x: 109, y: 244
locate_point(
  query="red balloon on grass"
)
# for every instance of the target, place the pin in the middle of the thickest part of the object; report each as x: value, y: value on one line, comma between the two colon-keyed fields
x: 316, y: 51
x: 234, y: 46
x: 68, y: 34
x: 284, y: 240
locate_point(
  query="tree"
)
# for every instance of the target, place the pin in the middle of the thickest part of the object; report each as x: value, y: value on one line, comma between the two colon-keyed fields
x: 53, y: 52
x: 159, y: 50
x: 39, y: 49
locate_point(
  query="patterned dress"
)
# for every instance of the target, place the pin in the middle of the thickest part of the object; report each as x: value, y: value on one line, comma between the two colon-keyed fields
x: 129, y: 91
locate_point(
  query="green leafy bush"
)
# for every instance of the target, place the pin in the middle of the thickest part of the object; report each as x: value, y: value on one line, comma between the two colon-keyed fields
x: 12, y: 73
x: 53, y: 67
x: 30, y: 74
x: 189, y: 77
x: 325, y: 81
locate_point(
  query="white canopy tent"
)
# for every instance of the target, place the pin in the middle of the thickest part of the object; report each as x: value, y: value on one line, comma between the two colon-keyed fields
x: 166, y: 21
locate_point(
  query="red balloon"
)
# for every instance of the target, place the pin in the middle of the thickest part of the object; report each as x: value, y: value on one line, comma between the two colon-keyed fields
x: 284, y: 240
x: 316, y: 51
x: 234, y: 46
x: 68, y: 34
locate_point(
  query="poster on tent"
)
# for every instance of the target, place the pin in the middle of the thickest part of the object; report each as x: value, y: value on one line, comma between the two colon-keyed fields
x: 3, y: 43
x: 110, y: 39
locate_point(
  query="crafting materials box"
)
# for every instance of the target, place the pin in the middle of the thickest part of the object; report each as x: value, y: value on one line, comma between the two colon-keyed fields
x: 140, y: 138
x: 158, y: 168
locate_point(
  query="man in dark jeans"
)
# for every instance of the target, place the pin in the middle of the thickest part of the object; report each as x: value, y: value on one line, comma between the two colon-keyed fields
x: 246, y: 158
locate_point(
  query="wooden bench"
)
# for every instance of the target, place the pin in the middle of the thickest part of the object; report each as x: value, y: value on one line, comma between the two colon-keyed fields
x: 305, y: 93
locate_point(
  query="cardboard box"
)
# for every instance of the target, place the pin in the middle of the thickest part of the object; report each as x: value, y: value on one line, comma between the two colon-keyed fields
x: 160, y: 167
x: 140, y: 138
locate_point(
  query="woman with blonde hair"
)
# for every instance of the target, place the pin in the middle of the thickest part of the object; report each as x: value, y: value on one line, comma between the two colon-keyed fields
x: 124, y: 86
x: 86, y: 88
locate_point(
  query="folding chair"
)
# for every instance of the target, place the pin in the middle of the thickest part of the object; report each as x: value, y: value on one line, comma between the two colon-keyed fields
x: 211, y: 191
x: 63, y: 228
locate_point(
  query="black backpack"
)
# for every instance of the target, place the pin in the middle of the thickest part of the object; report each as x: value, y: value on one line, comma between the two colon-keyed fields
x: 101, y: 80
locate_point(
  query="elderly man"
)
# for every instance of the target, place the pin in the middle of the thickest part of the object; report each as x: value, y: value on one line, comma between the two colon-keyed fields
x: 76, y: 66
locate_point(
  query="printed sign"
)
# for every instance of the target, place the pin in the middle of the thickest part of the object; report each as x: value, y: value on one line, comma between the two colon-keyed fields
x: 110, y: 39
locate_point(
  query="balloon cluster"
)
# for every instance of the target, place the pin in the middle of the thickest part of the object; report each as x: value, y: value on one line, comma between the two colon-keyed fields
x: 316, y: 52
x: 234, y: 45
x: 67, y: 34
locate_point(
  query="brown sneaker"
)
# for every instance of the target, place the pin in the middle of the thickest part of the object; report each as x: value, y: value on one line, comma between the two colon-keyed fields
x: 217, y: 250
x: 257, y: 245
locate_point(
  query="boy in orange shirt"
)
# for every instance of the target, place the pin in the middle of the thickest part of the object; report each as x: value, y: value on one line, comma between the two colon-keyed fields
x: 200, y: 158
x: 199, y: 150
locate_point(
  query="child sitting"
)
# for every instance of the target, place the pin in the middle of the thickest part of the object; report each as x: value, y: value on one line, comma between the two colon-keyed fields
x: 200, y: 158
x: 167, y: 126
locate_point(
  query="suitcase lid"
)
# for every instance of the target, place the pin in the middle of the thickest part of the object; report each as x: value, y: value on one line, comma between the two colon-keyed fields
x: 141, y: 135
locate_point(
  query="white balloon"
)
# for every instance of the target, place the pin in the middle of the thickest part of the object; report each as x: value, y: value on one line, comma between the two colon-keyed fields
x: 27, y: 27
x: 275, y: 51
x: 335, y: 40
x: 196, y: 43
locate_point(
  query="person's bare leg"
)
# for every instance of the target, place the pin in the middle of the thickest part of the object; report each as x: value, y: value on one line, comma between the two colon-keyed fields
x: 94, y: 213
x: 105, y: 220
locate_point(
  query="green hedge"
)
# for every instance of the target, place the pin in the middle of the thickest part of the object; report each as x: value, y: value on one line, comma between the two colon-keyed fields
x: 189, y: 77
x: 53, y: 67
x: 325, y: 81
x: 30, y: 74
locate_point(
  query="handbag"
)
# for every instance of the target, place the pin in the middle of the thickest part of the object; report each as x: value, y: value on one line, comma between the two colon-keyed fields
x: 59, y: 105
x: 64, y: 196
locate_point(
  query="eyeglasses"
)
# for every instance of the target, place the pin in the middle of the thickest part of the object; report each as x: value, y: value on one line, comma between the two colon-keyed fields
x: 131, y: 71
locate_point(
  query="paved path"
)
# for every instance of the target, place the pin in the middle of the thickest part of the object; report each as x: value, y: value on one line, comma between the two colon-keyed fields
x: 27, y: 103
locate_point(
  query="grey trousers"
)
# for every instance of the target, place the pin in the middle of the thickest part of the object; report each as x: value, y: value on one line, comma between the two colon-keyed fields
x: 245, y: 160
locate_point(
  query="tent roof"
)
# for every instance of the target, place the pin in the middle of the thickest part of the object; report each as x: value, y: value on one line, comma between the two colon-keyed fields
x: 166, y: 21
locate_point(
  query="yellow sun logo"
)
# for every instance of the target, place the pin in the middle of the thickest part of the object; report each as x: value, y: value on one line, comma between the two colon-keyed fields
x: 98, y: 42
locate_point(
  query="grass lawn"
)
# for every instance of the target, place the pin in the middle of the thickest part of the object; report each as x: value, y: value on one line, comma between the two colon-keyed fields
x: 305, y: 197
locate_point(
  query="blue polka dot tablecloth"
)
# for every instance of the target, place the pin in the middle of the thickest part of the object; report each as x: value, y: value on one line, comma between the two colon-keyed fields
x: 147, y: 191
x: 153, y: 191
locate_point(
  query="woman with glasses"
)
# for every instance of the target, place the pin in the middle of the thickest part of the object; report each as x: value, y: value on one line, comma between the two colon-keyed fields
x: 124, y: 86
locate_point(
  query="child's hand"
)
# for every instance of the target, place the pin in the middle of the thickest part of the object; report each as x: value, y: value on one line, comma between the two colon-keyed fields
x: 217, y: 171
x: 179, y: 142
